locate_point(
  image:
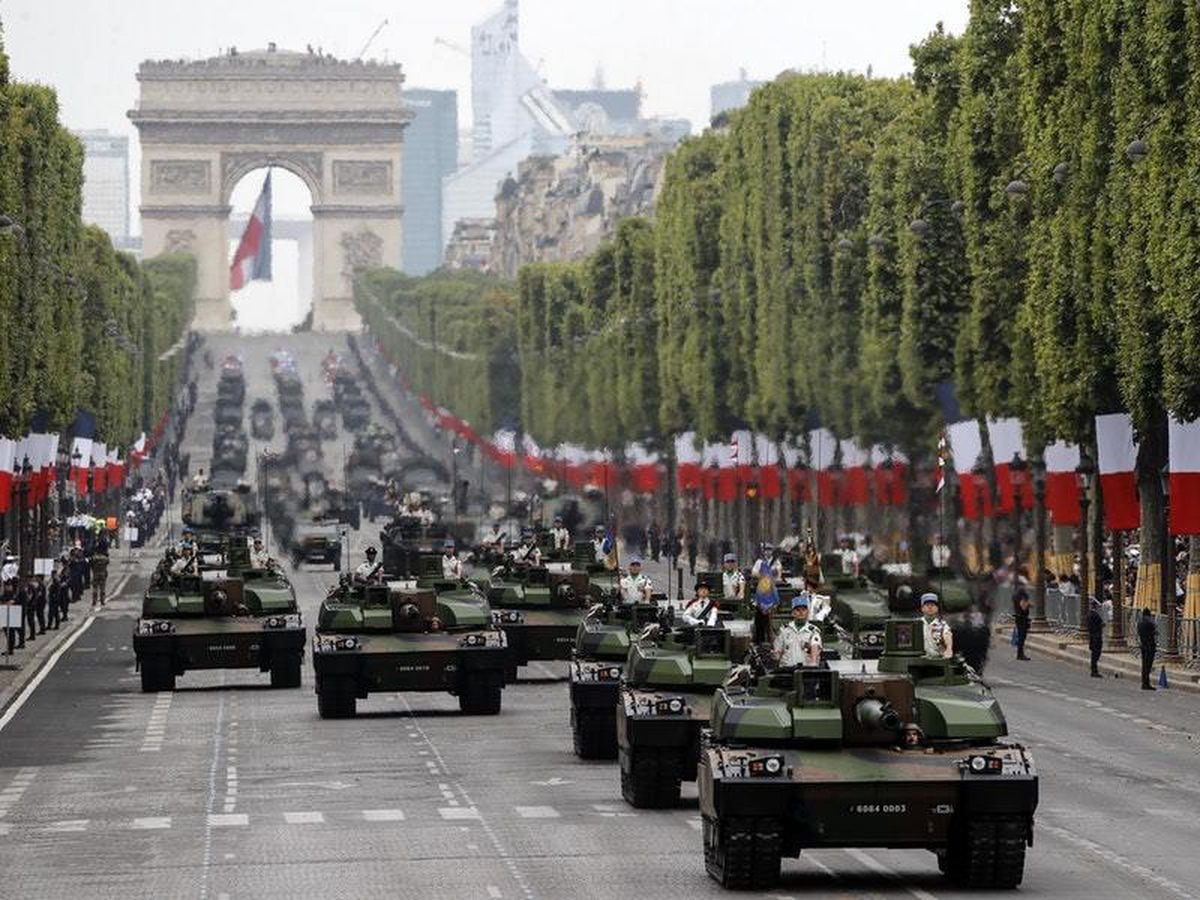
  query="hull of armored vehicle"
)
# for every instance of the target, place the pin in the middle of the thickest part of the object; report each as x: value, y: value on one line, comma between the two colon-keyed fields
x: 406, y: 662
x: 657, y: 746
x: 977, y: 822
x: 542, y: 634
x: 234, y: 642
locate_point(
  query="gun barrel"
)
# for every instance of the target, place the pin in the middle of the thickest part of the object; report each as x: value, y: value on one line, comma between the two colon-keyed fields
x: 877, y: 715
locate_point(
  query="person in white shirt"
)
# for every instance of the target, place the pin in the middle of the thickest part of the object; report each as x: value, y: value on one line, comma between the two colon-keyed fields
x: 703, y: 609
x: 598, y: 543
x: 259, y: 558
x: 452, y: 567
x: 494, y: 539
x: 9, y: 571
x: 560, y: 535
x: 939, y: 640
x: 799, y: 642
x: 368, y: 571
x: 636, y: 587
x: 733, y: 582
x: 527, y: 552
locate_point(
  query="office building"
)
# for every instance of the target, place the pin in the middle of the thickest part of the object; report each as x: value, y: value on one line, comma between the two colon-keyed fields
x: 106, y: 183
x: 430, y: 154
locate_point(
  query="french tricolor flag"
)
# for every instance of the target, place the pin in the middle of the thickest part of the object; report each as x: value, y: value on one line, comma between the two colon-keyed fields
x: 252, y: 261
x: 1117, y: 451
x: 1184, y: 439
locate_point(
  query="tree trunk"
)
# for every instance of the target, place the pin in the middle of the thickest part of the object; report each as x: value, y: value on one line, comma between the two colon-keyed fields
x: 1152, y: 456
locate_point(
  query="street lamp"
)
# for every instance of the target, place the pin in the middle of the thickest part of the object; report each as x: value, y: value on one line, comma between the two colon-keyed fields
x: 1038, y: 467
x: 1168, y: 599
x: 24, y: 538
x: 1084, y: 473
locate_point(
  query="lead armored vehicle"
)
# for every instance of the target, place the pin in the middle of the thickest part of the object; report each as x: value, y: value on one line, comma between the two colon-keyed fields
x: 220, y: 613
x: 909, y: 756
x: 406, y: 636
x: 262, y: 420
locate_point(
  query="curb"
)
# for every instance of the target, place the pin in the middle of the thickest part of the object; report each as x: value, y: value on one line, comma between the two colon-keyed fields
x: 1067, y: 651
x: 35, y: 664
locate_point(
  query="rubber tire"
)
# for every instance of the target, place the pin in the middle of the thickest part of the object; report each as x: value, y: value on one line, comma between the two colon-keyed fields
x: 336, y: 697
x: 743, y: 853
x: 988, y: 853
x: 157, y: 674
x: 510, y: 675
x: 655, y: 778
x: 595, y: 733
x: 285, y: 671
x: 482, y: 693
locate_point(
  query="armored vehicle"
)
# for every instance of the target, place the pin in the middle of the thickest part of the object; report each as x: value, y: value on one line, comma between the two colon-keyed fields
x: 325, y: 419
x: 597, y: 663
x: 402, y: 636
x: 664, y: 702
x: 262, y: 421
x: 219, y: 510
x: 540, y: 608
x: 908, y: 756
x: 219, y: 614
x: 316, y: 543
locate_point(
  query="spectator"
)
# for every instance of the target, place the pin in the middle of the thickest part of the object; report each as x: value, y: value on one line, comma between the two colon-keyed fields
x: 1148, y: 644
x: 1021, y: 620
x: 1095, y: 630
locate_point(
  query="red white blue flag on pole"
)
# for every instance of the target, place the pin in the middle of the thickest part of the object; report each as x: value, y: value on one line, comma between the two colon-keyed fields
x: 252, y: 261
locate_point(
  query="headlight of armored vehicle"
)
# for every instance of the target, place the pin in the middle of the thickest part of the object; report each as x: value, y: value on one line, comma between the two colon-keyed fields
x: 153, y: 626
x: 983, y: 765
x: 290, y: 620
x: 669, y: 706
x: 507, y: 617
x: 765, y: 767
x: 331, y: 644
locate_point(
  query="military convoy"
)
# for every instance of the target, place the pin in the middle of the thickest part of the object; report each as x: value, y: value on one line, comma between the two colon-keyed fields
x: 908, y: 754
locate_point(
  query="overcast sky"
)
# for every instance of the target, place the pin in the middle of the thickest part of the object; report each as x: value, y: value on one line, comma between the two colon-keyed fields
x: 90, y: 49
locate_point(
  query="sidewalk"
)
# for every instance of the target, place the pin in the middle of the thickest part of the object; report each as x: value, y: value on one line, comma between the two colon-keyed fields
x: 1116, y: 662
x: 18, y: 670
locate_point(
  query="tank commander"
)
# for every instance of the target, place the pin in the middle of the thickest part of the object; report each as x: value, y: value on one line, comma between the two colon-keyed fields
x: 368, y: 571
x: 939, y: 641
x: 452, y: 567
x: 636, y: 587
x: 733, y: 582
x: 799, y: 642
x: 560, y: 535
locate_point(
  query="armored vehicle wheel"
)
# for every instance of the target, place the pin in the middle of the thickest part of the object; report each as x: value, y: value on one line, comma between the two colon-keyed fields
x: 989, y: 852
x: 285, y: 671
x: 482, y: 695
x: 157, y: 674
x: 653, y: 781
x: 743, y: 853
x: 336, y: 697
x: 595, y: 733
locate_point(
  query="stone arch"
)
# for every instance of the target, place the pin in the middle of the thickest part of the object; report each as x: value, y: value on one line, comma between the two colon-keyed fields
x: 337, y: 125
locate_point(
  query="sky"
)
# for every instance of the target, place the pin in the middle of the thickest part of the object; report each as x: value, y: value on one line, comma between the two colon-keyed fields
x: 89, y: 50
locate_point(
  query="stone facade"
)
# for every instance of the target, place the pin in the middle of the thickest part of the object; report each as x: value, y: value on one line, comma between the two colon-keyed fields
x: 561, y: 208
x: 470, y: 245
x: 337, y: 125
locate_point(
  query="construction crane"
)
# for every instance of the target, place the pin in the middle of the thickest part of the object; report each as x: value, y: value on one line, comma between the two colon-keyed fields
x: 371, y: 39
x: 450, y: 45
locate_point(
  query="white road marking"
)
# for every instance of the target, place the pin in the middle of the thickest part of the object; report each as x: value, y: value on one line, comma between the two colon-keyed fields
x: 383, y: 815
x: 1106, y: 855
x: 494, y: 892
x: 149, y: 823
x: 67, y: 825
x: 217, y: 820
x: 537, y: 812
x: 459, y: 812
x: 23, y: 697
x: 880, y: 869
x: 303, y: 818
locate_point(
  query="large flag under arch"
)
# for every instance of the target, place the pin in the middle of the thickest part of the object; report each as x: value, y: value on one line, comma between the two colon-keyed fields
x: 252, y: 261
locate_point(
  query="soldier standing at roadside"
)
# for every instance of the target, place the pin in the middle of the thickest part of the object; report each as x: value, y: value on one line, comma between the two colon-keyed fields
x: 35, y: 611
x: 1148, y: 644
x: 54, y: 600
x: 99, y: 563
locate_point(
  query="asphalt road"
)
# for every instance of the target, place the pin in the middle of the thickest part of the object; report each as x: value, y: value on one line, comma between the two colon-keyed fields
x: 227, y: 788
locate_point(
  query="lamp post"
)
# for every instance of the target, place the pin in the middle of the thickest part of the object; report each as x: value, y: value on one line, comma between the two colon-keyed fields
x: 1018, y: 471
x: 454, y: 490
x: 1038, y: 467
x: 1167, y: 600
x: 979, y: 481
x: 1084, y: 473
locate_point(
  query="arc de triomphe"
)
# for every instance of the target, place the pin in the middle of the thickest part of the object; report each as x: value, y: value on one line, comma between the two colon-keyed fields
x: 338, y: 125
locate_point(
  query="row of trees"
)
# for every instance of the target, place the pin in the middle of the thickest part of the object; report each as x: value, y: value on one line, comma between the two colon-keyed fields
x: 81, y: 325
x: 1020, y: 219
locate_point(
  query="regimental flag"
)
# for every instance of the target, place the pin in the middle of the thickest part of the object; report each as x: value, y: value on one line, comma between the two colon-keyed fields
x: 609, y: 548
x: 1117, y: 461
x: 252, y: 261
x: 1184, y: 508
